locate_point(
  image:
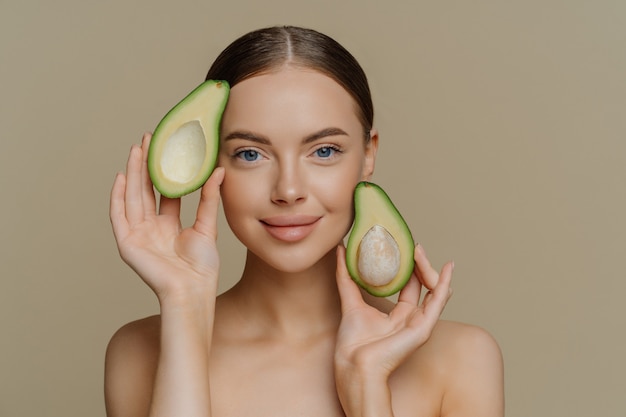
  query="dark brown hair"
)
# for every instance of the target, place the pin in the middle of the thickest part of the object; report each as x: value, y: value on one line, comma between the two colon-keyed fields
x: 268, y: 49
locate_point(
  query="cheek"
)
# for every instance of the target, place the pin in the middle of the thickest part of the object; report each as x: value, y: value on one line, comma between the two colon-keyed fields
x: 338, y: 198
x: 337, y: 194
x: 238, y: 195
x: 236, y: 190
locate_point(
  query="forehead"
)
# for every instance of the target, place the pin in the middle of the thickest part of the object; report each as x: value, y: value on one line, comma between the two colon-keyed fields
x: 291, y: 97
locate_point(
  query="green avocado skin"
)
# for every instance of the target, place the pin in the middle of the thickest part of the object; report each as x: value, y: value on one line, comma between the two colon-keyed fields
x: 372, y: 206
x: 206, y: 104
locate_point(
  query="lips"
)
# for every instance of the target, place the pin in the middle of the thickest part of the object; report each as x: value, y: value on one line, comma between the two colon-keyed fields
x: 290, y: 228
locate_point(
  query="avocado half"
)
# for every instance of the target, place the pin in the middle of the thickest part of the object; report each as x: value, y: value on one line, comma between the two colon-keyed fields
x: 183, y: 149
x: 379, y: 253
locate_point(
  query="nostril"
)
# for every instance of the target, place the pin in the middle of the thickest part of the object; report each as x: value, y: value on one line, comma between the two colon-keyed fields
x: 289, y: 192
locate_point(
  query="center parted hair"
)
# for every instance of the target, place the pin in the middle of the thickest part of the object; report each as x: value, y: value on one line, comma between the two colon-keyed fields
x: 269, y: 49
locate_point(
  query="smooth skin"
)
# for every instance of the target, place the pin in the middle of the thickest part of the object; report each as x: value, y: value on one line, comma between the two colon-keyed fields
x: 295, y: 335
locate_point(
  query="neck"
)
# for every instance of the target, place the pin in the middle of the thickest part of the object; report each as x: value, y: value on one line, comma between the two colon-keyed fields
x: 294, y: 305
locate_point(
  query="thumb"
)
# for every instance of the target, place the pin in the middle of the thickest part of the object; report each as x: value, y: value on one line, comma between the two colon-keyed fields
x: 349, y: 292
x: 206, y: 216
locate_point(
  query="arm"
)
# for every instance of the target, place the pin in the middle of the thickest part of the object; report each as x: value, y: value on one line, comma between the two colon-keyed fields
x: 181, y: 267
x: 130, y: 366
x: 372, y: 344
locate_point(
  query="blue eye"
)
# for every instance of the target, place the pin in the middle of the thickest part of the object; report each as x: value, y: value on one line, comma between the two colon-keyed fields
x: 248, y: 155
x: 325, y: 151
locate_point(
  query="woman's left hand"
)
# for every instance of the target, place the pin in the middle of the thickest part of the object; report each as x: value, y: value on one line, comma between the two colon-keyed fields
x: 372, y: 344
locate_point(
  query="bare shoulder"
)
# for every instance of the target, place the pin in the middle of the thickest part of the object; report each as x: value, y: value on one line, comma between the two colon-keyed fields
x: 130, y: 366
x: 143, y: 330
x: 462, y: 341
x: 468, y: 362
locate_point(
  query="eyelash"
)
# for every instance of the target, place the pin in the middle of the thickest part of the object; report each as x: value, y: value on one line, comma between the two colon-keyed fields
x: 334, y: 148
x: 240, y: 154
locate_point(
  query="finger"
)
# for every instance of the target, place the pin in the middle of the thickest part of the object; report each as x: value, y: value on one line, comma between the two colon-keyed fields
x: 349, y: 292
x: 206, y: 215
x: 433, y: 304
x: 133, y: 194
x: 169, y: 206
x: 438, y: 297
x: 426, y: 274
x: 117, y: 209
x: 149, y: 201
x: 411, y: 291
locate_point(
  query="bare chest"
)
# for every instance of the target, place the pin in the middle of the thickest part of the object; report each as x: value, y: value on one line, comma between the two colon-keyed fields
x: 273, y: 381
x: 285, y: 381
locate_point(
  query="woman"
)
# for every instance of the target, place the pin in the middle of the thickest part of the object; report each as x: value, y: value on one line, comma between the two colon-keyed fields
x: 295, y: 335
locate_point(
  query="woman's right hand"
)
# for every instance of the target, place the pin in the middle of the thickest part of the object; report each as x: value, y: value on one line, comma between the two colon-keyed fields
x: 173, y: 261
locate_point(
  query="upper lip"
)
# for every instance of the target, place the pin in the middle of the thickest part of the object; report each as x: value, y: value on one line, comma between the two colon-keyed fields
x: 291, y: 220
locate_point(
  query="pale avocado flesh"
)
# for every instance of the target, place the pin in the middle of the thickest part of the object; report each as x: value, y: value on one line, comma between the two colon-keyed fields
x: 379, y: 253
x: 184, y: 146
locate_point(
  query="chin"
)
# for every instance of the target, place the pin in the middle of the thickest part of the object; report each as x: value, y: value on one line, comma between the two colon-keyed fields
x: 292, y: 260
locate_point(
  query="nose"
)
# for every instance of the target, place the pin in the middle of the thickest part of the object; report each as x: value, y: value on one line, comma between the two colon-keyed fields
x: 289, y: 184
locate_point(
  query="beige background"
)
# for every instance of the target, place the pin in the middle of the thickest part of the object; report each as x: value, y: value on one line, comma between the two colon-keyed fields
x: 503, y: 141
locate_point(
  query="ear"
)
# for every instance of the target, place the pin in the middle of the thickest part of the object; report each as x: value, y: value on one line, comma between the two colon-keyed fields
x: 371, y: 147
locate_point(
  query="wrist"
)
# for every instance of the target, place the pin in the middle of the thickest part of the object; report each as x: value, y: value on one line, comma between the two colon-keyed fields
x: 363, y: 393
x: 188, y: 297
x: 191, y: 309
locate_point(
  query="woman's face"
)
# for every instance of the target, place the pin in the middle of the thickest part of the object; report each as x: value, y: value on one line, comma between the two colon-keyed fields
x: 293, y: 150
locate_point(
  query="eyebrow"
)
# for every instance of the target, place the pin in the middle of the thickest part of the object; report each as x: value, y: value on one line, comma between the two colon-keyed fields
x: 253, y: 137
x: 329, y: 131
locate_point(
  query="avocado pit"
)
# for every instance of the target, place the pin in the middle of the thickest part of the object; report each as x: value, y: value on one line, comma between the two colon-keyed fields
x: 378, y: 257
